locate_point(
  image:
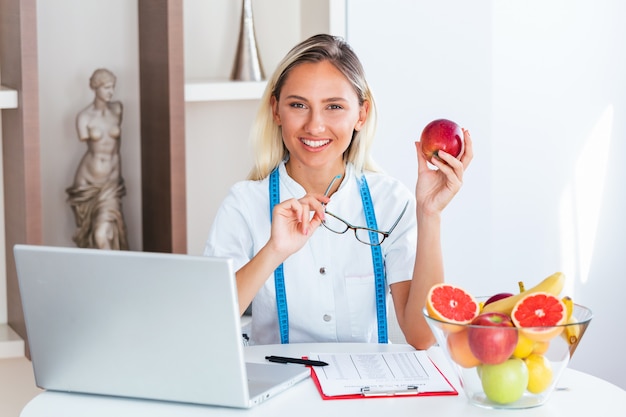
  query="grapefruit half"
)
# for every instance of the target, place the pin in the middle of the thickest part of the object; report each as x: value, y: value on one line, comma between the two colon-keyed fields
x: 540, y: 315
x: 452, y: 304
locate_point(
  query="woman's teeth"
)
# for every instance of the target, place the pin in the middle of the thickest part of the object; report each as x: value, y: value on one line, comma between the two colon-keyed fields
x: 315, y: 143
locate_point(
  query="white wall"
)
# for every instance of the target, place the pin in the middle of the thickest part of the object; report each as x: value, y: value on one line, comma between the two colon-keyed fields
x: 540, y: 86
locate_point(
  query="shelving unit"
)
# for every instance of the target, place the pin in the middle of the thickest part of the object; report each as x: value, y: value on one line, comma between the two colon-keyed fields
x: 8, y: 98
x: 166, y: 194
x: 20, y: 145
x: 11, y: 344
x: 163, y: 165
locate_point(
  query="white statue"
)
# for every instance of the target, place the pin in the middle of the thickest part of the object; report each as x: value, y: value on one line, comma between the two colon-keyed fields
x: 96, y: 195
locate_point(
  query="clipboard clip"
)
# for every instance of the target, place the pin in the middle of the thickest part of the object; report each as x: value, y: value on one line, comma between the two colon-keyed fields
x: 376, y: 392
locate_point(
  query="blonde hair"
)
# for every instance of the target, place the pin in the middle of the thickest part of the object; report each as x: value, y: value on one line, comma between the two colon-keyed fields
x: 266, y: 137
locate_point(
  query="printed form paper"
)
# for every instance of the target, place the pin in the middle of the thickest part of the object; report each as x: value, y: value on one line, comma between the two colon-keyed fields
x: 385, y: 372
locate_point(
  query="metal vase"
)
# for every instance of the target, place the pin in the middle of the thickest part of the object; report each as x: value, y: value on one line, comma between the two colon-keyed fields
x: 247, y: 66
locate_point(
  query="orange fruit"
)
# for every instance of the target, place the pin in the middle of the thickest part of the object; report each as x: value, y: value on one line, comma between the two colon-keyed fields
x: 458, y: 346
x: 452, y: 304
x: 540, y: 315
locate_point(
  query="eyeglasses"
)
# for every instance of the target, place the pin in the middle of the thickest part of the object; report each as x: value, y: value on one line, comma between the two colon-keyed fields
x: 338, y: 225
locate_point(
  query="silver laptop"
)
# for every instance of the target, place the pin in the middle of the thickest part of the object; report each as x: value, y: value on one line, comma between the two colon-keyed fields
x: 142, y: 325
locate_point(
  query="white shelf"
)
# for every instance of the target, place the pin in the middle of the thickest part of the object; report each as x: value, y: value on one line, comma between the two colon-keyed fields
x: 11, y: 344
x: 8, y: 98
x: 217, y: 90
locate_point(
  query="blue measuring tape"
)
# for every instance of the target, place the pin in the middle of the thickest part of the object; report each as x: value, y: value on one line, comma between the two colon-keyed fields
x: 279, y: 275
x: 377, y: 260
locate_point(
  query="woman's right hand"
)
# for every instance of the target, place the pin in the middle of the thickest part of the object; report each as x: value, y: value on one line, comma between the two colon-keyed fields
x: 294, y: 221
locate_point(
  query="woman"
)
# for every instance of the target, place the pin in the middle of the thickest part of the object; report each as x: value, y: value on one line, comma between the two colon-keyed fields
x: 96, y: 195
x: 312, y: 138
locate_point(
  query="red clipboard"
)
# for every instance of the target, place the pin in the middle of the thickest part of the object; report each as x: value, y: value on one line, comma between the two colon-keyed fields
x: 362, y: 396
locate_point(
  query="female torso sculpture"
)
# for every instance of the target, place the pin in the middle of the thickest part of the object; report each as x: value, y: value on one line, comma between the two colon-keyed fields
x: 98, y: 186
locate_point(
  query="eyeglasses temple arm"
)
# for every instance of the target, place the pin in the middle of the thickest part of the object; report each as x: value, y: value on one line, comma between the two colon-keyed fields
x: 331, y: 185
x: 400, y: 217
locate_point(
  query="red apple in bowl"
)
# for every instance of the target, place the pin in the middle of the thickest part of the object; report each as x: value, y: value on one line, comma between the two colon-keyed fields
x: 498, y: 296
x: 442, y: 134
x: 492, y: 337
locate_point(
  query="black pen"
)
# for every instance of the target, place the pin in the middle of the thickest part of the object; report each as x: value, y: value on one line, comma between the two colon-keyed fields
x: 283, y: 359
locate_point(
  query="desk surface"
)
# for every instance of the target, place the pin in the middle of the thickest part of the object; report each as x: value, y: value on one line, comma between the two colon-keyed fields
x: 581, y: 394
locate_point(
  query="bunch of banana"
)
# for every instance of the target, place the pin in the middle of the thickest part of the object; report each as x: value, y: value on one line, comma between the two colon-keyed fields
x: 551, y: 285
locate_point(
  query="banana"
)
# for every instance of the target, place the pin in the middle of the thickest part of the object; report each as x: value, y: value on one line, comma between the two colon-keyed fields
x: 569, y: 305
x: 572, y: 331
x: 553, y: 285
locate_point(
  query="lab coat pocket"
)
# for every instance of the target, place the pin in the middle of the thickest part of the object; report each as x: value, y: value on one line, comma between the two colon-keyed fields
x: 362, y: 306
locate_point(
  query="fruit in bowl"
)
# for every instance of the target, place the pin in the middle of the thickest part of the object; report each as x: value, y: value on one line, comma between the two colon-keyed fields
x: 460, y: 351
x: 492, y: 337
x: 506, y: 381
x: 511, y: 353
x: 451, y: 304
x: 539, y: 316
x: 498, y: 296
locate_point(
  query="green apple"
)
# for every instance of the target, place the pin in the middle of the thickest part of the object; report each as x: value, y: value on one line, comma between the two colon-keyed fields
x: 505, y: 382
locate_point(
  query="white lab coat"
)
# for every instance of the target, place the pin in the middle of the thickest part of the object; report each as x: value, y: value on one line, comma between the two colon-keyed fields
x: 330, y: 281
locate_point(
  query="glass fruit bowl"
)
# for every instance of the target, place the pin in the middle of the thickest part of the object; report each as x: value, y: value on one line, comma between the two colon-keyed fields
x: 509, y: 367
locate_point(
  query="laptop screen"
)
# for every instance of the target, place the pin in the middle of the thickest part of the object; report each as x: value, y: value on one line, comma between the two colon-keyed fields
x: 133, y: 324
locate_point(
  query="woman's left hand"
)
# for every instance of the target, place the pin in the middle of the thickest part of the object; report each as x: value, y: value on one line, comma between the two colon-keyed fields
x: 436, y: 187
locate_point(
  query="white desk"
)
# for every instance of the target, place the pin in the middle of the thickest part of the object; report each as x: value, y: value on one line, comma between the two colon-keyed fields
x: 585, y: 395
x: 17, y: 385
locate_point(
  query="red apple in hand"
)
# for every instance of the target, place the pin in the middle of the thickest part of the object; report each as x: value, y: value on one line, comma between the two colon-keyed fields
x: 442, y: 134
x: 492, y: 337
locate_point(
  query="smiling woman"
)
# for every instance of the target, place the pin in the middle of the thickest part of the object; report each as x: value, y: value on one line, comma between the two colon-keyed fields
x: 315, y: 126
